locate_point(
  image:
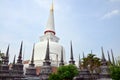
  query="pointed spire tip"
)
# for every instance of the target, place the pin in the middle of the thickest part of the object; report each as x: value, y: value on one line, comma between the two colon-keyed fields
x: 52, y: 6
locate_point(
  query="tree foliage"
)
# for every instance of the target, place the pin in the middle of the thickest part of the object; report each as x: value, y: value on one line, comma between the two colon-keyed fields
x: 91, y: 62
x: 115, y: 72
x: 64, y: 73
x: 1, y: 55
x: 54, y: 76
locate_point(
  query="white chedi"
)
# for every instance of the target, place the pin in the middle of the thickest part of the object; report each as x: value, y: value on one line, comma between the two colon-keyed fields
x: 54, y: 47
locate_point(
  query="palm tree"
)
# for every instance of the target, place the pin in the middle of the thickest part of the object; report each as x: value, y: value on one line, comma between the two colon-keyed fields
x: 91, y: 62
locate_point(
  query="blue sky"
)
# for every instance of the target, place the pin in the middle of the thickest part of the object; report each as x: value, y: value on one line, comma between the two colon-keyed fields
x: 90, y: 24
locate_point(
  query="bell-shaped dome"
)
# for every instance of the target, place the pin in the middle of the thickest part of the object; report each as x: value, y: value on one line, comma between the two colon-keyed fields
x: 55, y: 53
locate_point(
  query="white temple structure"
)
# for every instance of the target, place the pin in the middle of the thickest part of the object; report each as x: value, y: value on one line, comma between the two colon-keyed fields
x: 55, y: 47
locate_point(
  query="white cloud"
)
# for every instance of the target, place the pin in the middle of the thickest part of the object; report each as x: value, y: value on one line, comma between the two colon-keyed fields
x: 111, y: 14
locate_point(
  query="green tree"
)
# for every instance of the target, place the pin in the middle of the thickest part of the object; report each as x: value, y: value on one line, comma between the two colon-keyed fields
x: 54, y: 76
x: 115, y: 72
x: 1, y: 55
x: 91, y: 62
x: 65, y: 73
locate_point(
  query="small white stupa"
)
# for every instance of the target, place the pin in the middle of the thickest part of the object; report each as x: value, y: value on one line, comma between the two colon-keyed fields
x: 55, y: 47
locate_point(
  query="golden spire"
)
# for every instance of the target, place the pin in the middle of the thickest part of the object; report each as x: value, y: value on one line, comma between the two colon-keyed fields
x: 52, y: 6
